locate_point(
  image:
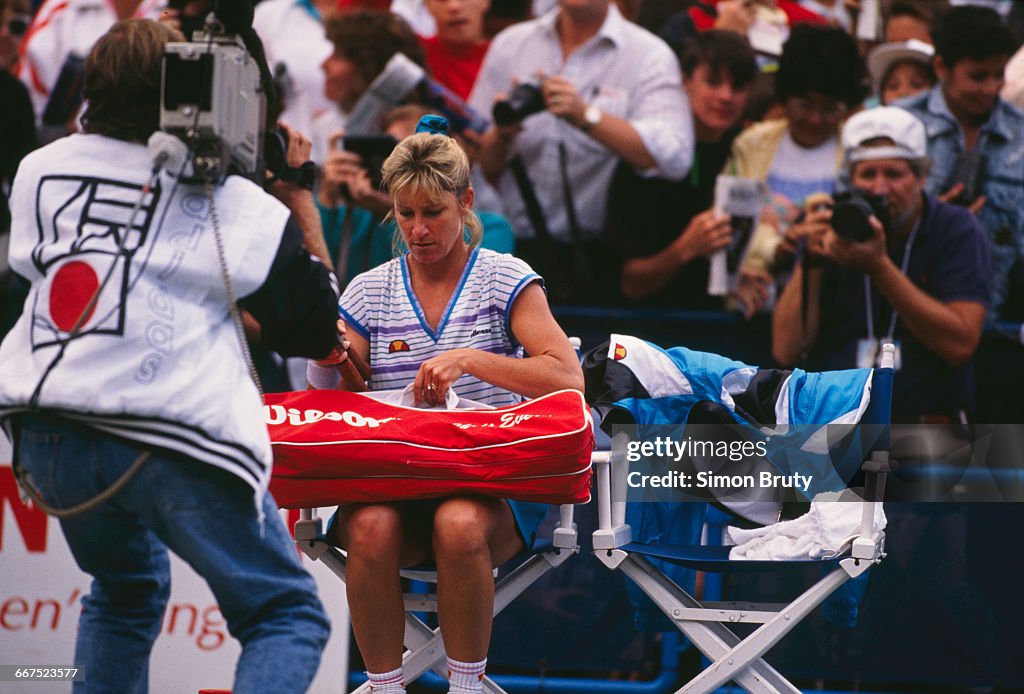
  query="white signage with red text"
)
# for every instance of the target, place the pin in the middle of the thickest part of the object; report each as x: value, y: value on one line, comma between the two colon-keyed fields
x: 41, y: 589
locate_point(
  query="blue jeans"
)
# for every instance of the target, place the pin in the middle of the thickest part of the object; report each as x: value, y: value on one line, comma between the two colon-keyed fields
x: 204, y: 515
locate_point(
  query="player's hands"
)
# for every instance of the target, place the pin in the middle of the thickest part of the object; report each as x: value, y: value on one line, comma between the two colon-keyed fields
x: 437, y: 374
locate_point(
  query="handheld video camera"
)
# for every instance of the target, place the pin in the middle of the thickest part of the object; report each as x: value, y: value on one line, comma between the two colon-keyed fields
x: 851, y: 211
x: 212, y: 98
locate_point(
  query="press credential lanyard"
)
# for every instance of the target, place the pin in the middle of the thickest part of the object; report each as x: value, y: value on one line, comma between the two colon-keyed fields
x: 868, y: 302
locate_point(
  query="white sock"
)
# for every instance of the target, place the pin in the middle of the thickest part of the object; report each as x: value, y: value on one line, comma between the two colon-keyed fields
x: 387, y: 682
x: 465, y: 677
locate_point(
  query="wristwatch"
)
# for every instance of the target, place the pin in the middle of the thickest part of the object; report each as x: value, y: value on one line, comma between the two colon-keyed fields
x: 591, y: 117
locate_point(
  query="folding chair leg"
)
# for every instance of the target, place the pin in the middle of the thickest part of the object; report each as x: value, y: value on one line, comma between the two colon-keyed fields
x: 742, y: 656
x: 425, y: 650
x: 523, y: 576
x: 712, y: 639
x: 425, y: 647
x: 491, y: 687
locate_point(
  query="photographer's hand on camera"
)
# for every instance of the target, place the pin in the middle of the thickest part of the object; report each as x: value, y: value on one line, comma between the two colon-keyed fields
x: 616, y: 134
x: 563, y: 100
x: 346, y: 181
x: 298, y: 196
x: 492, y: 147
x: 868, y: 257
x: 296, y: 155
x: 810, y: 230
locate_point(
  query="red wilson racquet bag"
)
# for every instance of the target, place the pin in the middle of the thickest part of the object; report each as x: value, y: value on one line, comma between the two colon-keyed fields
x: 333, y: 446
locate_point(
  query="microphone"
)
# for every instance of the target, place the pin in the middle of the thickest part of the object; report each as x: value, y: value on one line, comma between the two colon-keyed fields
x: 166, y: 152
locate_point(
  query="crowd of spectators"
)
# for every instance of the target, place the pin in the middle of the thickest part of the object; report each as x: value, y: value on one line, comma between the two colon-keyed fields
x: 605, y: 179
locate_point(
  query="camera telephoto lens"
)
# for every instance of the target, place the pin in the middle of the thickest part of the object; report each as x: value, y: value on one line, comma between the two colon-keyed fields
x: 525, y: 100
x: 852, y: 211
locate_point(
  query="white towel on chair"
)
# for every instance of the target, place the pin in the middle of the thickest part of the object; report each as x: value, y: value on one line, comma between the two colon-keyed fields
x: 823, y: 532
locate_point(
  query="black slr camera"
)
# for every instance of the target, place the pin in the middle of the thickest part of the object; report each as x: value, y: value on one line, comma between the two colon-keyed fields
x: 851, y: 211
x: 524, y: 100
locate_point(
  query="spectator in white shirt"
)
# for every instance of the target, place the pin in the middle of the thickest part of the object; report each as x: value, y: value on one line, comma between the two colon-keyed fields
x: 611, y: 91
x: 64, y: 29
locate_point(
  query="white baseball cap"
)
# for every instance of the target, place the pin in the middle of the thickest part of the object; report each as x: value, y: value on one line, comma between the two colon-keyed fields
x: 882, y: 57
x: 905, y: 130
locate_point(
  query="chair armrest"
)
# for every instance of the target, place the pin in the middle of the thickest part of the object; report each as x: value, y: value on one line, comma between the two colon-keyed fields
x: 308, y: 527
x: 565, y: 535
x: 612, y: 469
x: 875, y: 470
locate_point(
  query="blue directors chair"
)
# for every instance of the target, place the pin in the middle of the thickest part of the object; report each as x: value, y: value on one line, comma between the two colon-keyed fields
x: 691, y: 429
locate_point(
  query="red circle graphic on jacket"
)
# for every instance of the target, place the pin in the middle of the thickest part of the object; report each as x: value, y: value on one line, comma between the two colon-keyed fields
x: 70, y: 292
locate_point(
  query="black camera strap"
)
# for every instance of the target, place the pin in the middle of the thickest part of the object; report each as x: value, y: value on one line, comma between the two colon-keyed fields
x: 533, y: 210
x: 805, y: 298
x: 869, y: 306
x: 582, y: 266
x: 566, y: 266
x: 529, y: 195
x: 570, y: 206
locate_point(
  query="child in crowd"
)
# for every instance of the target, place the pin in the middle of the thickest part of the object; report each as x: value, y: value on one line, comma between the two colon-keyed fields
x: 900, y: 70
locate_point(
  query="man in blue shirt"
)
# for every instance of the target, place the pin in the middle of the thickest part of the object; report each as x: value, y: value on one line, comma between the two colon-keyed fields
x: 921, y: 281
x: 976, y: 139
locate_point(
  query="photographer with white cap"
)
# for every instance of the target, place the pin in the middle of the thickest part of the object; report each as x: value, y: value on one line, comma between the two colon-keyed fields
x: 920, y: 278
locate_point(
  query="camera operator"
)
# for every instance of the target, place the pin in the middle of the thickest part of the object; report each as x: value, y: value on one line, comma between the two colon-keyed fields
x: 140, y: 408
x: 921, y: 280
x: 610, y: 91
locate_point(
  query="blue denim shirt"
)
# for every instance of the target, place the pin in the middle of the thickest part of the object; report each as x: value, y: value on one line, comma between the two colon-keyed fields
x: 1002, y: 142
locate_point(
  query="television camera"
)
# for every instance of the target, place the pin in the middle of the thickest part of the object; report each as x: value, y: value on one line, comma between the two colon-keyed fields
x: 213, y: 96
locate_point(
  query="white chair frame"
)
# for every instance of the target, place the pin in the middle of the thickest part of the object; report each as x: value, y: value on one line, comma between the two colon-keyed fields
x: 705, y: 624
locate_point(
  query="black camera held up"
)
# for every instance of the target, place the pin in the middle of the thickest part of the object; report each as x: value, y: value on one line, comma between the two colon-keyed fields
x: 851, y: 211
x: 524, y: 100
